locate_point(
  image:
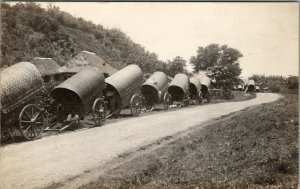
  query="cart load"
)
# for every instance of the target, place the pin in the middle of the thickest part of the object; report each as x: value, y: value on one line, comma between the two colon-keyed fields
x: 123, y: 90
x: 205, y: 85
x: 154, y: 90
x: 21, y: 87
x: 81, y: 94
x: 195, y: 89
x: 179, y: 88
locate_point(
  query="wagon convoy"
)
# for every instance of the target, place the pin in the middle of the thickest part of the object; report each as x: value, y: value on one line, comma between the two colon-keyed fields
x: 27, y: 107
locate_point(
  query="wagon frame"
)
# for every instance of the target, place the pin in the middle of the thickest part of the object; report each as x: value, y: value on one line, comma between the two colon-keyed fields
x: 154, y: 91
x: 79, y: 95
x: 21, y: 103
x: 179, y: 89
x: 123, y: 90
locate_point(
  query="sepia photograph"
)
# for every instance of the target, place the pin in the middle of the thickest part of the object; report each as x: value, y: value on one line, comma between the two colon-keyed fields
x: 150, y: 95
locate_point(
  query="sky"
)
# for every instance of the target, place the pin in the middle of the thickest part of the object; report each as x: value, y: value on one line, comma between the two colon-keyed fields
x: 267, y: 34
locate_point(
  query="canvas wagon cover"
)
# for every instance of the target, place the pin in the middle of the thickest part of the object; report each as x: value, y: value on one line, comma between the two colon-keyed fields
x: 80, y: 91
x: 126, y: 82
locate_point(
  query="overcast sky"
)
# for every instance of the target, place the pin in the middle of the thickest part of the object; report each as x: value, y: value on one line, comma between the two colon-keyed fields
x: 265, y: 33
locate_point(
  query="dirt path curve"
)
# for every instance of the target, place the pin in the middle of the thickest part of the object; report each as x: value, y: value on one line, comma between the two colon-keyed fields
x: 57, y: 158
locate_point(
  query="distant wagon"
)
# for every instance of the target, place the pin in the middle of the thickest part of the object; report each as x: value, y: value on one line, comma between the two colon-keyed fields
x: 179, y: 89
x: 21, y: 90
x: 195, y: 89
x: 154, y: 90
x: 123, y: 90
x: 240, y: 87
x: 205, y: 86
x: 257, y: 89
x: 250, y: 87
x: 81, y: 94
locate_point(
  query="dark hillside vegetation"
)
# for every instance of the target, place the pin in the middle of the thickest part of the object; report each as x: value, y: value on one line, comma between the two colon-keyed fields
x: 29, y: 31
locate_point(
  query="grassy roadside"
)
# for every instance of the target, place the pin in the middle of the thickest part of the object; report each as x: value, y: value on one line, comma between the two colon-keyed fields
x: 257, y: 148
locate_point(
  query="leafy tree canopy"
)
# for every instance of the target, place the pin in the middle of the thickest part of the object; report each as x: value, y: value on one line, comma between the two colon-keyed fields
x: 177, y: 65
x: 221, y: 62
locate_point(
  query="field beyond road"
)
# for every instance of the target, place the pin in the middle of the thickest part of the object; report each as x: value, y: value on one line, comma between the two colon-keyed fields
x: 59, y: 161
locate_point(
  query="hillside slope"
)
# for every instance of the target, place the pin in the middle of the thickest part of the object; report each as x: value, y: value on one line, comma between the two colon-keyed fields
x: 28, y: 31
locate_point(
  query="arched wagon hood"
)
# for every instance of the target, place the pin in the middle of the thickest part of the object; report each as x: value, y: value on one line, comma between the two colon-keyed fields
x: 195, y: 85
x: 205, y: 82
x: 245, y: 81
x: 155, y: 85
x: 79, y: 92
x: 178, y: 87
x: 18, y: 83
x: 126, y: 83
x: 251, y: 86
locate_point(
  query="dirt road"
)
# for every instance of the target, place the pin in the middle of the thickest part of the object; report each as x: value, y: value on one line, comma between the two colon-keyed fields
x: 59, y: 158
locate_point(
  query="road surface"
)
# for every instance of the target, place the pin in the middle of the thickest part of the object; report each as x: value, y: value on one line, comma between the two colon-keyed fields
x: 56, y: 159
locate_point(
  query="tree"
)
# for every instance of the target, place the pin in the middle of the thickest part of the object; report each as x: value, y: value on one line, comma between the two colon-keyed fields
x: 177, y: 65
x: 293, y: 82
x: 221, y: 62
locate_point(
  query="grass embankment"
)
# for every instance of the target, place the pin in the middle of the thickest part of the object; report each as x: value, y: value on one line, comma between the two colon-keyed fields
x: 256, y: 148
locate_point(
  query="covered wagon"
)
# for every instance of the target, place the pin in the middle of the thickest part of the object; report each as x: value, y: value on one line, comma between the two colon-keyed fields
x: 81, y: 94
x: 257, y: 88
x: 154, y: 90
x: 250, y: 87
x: 179, y: 89
x: 205, y: 86
x: 195, y: 89
x: 21, y: 89
x: 123, y: 90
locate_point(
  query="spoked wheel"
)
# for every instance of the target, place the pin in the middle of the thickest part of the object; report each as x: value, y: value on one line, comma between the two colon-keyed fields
x: 31, y: 122
x: 136, y: 105
x: 199, y: 99
x: 167, y: 101
x: 99, y: 112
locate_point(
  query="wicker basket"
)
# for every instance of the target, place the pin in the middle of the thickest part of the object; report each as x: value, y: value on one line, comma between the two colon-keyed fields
x: 18, y: 82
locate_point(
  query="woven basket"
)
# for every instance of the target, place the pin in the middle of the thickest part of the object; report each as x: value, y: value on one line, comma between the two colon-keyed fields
x: 18, y: 82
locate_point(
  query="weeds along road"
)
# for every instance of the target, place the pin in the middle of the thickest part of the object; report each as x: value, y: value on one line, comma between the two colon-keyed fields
x: 59, y: 158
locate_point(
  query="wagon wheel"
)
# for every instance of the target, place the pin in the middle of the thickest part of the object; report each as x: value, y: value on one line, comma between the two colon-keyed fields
x: 167, y: 101
x: 99, y: 111
x: 136, y: 105
x: 199, y: 99
x: 31, y: 122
